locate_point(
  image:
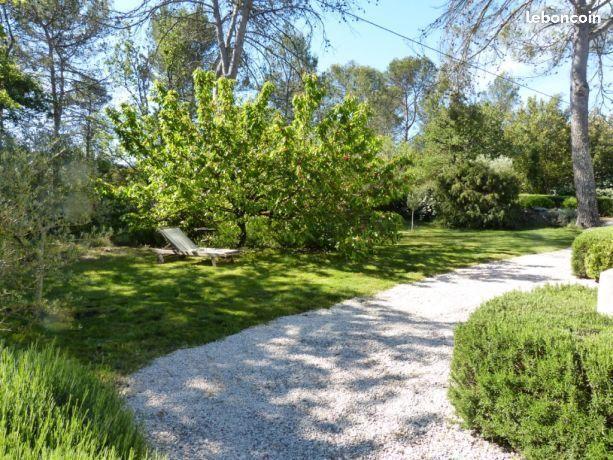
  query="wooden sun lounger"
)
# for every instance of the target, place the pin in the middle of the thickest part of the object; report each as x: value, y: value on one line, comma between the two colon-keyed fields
x: 182, y: 246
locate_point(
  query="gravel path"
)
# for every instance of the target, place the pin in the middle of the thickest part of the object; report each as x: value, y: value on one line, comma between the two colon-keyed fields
x: 366, y: 378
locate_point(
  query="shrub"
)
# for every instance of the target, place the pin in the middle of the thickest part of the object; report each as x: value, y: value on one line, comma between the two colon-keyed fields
x: 473, y: 195
x: 597, y: 244
x: 605, y: 206
x: 545, y: 391
x: 569, y: 202
x: 598, y: 258
x: 535, y: 201
x: 52, y: 407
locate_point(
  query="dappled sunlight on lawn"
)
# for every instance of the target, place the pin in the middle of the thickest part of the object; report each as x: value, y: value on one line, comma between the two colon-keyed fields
x: 126, y: 309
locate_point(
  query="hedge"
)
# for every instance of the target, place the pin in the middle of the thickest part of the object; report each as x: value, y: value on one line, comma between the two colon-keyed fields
x: 53, y: 407
x: 533, y: 200
x: 592, y: 252
x: 532, y: 371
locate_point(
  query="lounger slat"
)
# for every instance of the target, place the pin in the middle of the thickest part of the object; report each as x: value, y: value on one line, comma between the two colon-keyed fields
x: 183, y: 246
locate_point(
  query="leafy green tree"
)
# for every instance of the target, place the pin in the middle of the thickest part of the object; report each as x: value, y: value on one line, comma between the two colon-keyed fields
x: 461, y: 130
x: 183, y: 40
x: 503, y: 94
x: 133, y: 70
x: 473, y: 194
x: 18, y: 90
x: 497, y: 29
x: 317, y: 180
x: 369, y: 85
x: 540, y: 134
x: 410, y: 80
x: 290, y: 59
x: 59, y: 40
x: 601, y: 148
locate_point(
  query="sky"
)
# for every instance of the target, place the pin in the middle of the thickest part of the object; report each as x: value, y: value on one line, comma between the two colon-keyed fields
x: 361, y: 42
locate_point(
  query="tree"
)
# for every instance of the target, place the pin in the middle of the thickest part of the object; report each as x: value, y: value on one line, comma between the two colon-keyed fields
x: 540, y: 134
x: 410, y: 79
x: 132, y: 68
x: 289, y: 60
x: 41, y: 197
x: 316, y: 180
x: 183, y: 41
x: 462, y: 131
x: 18, y: 89
x: 477, y: 26
x: 601, y: 147
x: 503, y: 94
x: 247, y: 29
x: 369, y: 85
x: 58, y: 40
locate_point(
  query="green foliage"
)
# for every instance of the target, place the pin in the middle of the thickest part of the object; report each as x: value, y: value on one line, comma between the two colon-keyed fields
x: 290, y: 59
x: 527, y: 201
x: 598, y: 258
x: 41, y: 197
x: 410, y: 80
x: 184, y: 41
x: 18, y: 90
x: 52, y: 407
x: 601, y: 142
x: 369, y: 85
x: 318, y: 178
x: 570, y: 202
x: 540, y: 135
x: 605, y: 206
x: 459, y: 131
x: 471, y: 194
x: 544, y: 391
x: 593, y: 252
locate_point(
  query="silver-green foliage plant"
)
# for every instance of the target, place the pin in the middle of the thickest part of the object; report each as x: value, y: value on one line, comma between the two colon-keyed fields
x: 41, y: 196
x: 317, y: 180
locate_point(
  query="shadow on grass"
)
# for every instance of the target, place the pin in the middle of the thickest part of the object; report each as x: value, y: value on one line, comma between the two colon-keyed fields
x: 126, y: 309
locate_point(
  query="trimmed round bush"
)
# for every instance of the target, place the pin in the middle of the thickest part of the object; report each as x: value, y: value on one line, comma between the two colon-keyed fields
x: 527, y: 200
x: 594, y: 248
x: 53, y: 407
x: 533, y: 371
x: 471, y: 194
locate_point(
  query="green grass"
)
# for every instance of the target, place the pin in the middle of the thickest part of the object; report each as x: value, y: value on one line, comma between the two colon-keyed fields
x: 126, y: 309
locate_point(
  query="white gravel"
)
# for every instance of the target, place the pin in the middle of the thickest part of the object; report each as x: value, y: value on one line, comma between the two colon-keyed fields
x: 364, y: 379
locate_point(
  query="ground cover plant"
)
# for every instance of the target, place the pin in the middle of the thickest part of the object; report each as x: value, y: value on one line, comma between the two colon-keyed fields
x: 593, y: 252
x: 53, y: 407
x: 544, y: 391
x: 127, y: 309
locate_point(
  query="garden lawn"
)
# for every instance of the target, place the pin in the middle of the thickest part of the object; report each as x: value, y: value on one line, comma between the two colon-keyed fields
x: 123, y: 309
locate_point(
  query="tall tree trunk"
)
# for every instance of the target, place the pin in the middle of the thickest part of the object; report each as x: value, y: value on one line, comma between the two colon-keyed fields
x: 239, y: 42
x: 587, y: 209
